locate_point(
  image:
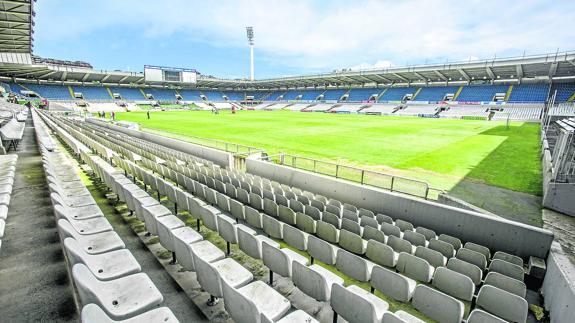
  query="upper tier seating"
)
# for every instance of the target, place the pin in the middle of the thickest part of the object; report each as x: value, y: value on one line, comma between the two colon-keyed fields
x: 291, y: 95
x: 235, y: 96
x: 480, y: 93
x: 310, y: 95
x: 274, y: 96
x: 161, y: 94
x: 564, y: 91
x: 213, y: 95
x: 55, y: 92
x: 435, y: 93
x: 7, y: 172
x: 191, y: 95
x: 128, y: 93
x: 92, y: 92
x: 360, y: 95
x: 396, y: 94
x: 334, y: 94
x: 528, y: 93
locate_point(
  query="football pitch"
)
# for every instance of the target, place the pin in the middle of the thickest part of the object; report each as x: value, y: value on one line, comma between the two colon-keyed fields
x: 442, y: 152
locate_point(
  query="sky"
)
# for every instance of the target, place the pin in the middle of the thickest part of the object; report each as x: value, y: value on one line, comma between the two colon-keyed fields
x: 294, y: 37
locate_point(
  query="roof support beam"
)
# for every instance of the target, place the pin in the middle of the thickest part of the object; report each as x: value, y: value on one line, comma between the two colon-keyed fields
x: 519, y: 69
x: 552, y: 70
x: 464, y: 74
x: 401, y: 77
x: 64, y: 76
x: 441, y: 76
x: 490, y: 72
x: 86, y: 76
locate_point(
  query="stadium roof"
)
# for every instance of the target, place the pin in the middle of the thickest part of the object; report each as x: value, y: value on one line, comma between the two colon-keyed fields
x: 533, y: 68
x: 16, y: 26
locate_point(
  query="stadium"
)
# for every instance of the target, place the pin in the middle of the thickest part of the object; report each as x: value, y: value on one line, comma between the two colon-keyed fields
x: 424, y: 192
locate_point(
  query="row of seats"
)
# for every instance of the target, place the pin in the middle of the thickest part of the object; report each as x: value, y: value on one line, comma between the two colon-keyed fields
x: 247, y: 218
x: 13, y: 131
x: 107, y: 277
x: 245, y: 300
x: 7, y: 171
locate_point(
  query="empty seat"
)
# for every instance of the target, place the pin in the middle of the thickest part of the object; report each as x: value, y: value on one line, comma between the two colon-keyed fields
x: 295, y: 317
x: 437, y: 305
x: 120, y: 298
x: 400, y: 245
x: 429, y: 234
x: 370, y: 233
x: 503, y: 304
x: 92, y: 244
x: 509, y: 258
x: 205, y: 250
x: 369, y: 221
x: 392, y: 284
x: 295, y: 237
x: 453, y: 283
x: 478, y: 248
x: 434, y: 258
x: 506, y: 283
x: 92, y: 313
x: 315, y: 281
x: 414, y: 267
x: 416, y: 239
x: 250, y: 303
x: 445, y: 248
x: 253, y: 217
x: 322, y: 250
x: 403, y: 225
x: 352, y: 242
x: 355, y: 304
x: 287, y: 215
x: 506, y: 268
x: 381, y: 253
x: 272, y: 227
x: 472, y: 257
x: 382, y: 218
x: 400, y: 317
x: 105, y: 266
x: 465, y: 268
x: 331, y: 219
x: 351, y: 226
x: 280, y: 261
x: 350, y: 215
x: 211, y: 275
x: 390, y: 230
x: 479, y: 316
x: 183, y: 237
x: 151, y: 213
x: 305, y: 223
x: 250, y: 243
x: 327, y: 232
x: 353, y: 266
x: 455, y: 242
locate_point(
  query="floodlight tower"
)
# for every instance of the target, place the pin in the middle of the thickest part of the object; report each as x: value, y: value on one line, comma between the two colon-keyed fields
x: 250, y: 34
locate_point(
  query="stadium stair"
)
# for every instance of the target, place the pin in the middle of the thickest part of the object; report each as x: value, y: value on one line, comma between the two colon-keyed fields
x: 109, y: 92
x: 416, y: 94
x: 457, y: 93
x: 508, y: 93
x: 381, y: 94
x: 71, y: 92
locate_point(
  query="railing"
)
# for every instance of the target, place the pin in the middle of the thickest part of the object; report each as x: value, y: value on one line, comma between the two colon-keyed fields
x: 358, y: 175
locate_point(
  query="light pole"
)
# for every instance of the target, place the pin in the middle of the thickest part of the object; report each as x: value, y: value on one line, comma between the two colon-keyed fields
x: 250, y: 34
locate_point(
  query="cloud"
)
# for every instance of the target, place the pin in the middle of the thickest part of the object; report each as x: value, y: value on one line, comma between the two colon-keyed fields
x: 325, y: 35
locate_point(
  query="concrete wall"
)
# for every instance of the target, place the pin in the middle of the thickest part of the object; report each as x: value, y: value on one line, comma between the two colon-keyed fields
x: 216, y: 156
x: 495, y: 233
x: 559, y: 286
x: 556, y: 196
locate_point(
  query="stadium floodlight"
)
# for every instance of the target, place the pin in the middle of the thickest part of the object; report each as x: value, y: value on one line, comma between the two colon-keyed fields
x: 250, y: 34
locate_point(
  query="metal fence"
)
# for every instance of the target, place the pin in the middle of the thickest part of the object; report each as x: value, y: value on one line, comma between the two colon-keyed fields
x: 365, y: 177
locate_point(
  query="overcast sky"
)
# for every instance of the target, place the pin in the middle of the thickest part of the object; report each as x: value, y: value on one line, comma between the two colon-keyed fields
x: 295, y: 36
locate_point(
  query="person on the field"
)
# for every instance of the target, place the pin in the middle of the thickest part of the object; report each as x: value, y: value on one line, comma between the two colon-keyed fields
x: 148, y: 114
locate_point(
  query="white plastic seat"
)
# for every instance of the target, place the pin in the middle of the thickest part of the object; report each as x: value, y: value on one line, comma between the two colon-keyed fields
x: 355, y: 304
x: 165, y: 226
x: 105, y: 266
x: 212, y: 275
x: 120, y: 298
x: 86, y: 226
x: 205, y: 250
x: 183, y: 237
x: 92, y: 313
x: 250, y: 303
x: 92, y: 244
x: 280, y: 261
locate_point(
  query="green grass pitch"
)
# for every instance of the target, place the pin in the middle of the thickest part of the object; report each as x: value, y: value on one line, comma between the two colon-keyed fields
x: 439, y: 151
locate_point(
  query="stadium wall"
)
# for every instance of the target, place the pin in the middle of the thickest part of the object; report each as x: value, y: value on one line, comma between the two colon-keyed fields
x: 216, y: 156
x: 495, y: 233
x: 559, y: 286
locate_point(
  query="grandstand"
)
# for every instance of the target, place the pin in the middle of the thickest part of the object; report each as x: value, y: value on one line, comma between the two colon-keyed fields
x: 103, y: 222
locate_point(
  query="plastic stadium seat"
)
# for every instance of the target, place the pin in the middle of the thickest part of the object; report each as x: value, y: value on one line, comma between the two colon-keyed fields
x: 414, y: 267
x: 437, y: 305
x: 293, y: 317
x: 392, y: 284
x: 467, y: 269
x: 453, y: 283
x: 183, y: 237
x: 250, y: 303
x: 355, y: 304
x: 280, y: 261
x: 94, y: 243
x: 92, y: 313
x: 105, y: 266
x: 120, y: 298
x: 211, y: 275
x: 506, y: 283
x: 503, y: 304
x: 314, y: 281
